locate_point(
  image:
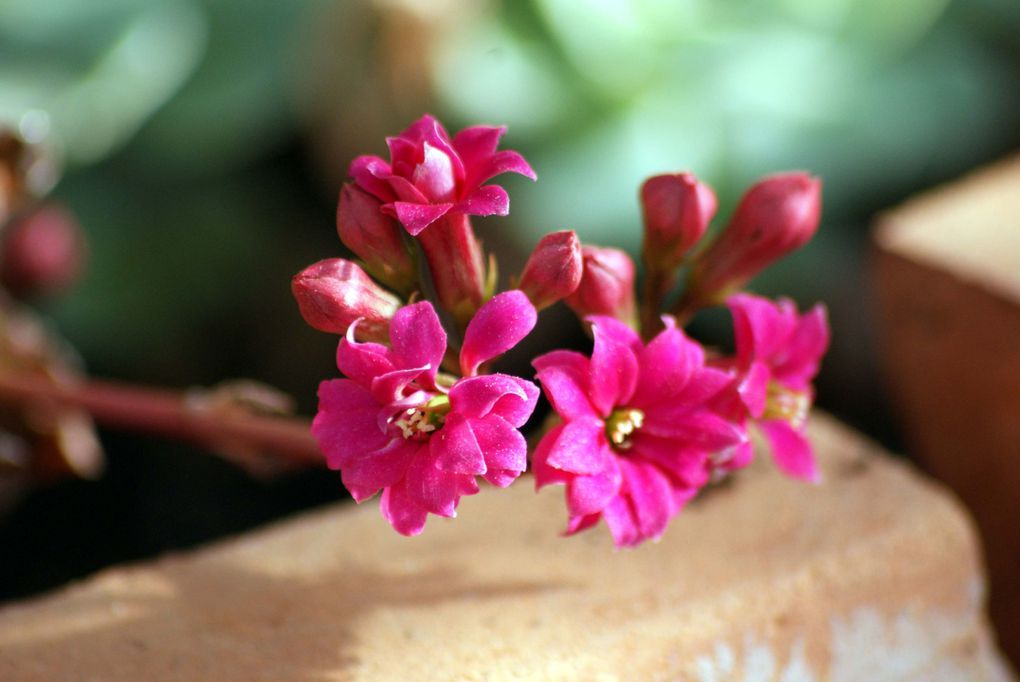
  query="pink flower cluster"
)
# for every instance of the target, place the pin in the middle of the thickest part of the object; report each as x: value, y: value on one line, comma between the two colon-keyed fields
x: 639, y: 427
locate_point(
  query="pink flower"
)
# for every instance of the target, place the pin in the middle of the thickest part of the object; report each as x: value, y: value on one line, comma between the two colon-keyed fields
x: 430, y: 175
x: 637, y: 429
x: 778, y: 353
x: 396, y: 425
x: 333, y: 293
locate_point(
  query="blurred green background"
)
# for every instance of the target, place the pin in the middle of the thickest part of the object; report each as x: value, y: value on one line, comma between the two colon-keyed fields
x: 204, y: 142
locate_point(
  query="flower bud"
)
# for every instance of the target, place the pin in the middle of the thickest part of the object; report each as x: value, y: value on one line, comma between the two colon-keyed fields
x: 607, y: 285
x: 375, y: 238
x: 677, y: 209
x: 43, y: 252
x: 334, y: 293
x: 779, y: 214
x: 554, y: 269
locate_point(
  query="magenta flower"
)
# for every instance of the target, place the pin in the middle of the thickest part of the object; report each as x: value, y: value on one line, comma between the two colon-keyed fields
x: 637, y: 429
x: 430, y: 175
x: 396, y: 425
x: 778, y: 354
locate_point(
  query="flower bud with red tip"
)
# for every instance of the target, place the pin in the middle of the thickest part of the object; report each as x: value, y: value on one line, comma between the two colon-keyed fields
x: 677, y: 209
x: 43, y: 252
x: 607, y: 285
x: 778, y: 215
x: 376, y: 238
x: 554, y: 269
x: 333, y: 293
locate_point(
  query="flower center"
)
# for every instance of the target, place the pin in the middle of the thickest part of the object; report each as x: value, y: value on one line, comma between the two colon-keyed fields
x: 786, y: 404
x: 621, y: 425
x: 416, y: 423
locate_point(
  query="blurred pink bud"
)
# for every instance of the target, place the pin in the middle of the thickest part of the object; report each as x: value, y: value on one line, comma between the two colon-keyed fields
x: 607, y: 285
x: 677, y: 209
x: 778, y: 215
x: 375, y: 238
x: 43, y: 252
x: 554, y: 269
x: 334, y: 293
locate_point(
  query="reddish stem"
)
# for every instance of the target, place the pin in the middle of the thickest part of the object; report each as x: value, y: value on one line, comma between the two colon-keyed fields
x: 456, y: 264
x: 167, y: 413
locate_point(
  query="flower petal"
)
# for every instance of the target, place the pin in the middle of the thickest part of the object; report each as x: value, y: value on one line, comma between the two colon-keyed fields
x: 753, y: 388
x: 497, y: 327
x: 804, y: 350
x: 364, y: 476
x: 388, y: 389
x: 622, y: 523
x: 508, y: 396
x: 345, y: 425
x: 760, y: 327
x: 614, y: 370
x: 418, y: 338
x: 416, y: 217
x: 697, y: 427
x: 791, y: 450
x: 476, y: 144
x: 651, y: 497
x: 436, y: 490
x: 503, y: 446
x: 362, y: 362
x: 369, y: 173
x: 578, y: 523
x: 506, y: 161
x: 455, y: 448
x: 590, y: 494
x: 543, y: 473
x: 434, y: 175
x: 581, y: 447
x: 486, y: 200
x: 686, y: 463
x: 667, y: 364
x: 405, y: 515
x: 564, y: 376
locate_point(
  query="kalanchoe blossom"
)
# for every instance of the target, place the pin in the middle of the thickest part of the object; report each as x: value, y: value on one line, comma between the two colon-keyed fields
x: 430, y: 175
x: 607, y: 285
x: 778, y: 215
x: 554, y: 269
x: 677, y: 209
x: 778, y: 354
x: 637, y: 431
x: 333, y: 293
x: 396, y: 425
x: 375, y: 238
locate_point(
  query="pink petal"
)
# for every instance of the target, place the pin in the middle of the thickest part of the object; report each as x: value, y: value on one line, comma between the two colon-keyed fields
x: 416, y: 217
x: 564, y: 378
x: 477, y: 144
x: 345, y: 425
x: 590, y: 494
x: 389, y: 388
x: 486, y: 200
x: 502, y: 445
x: 434, y: 175
x: 791, y: 450
x: 615, y: 330
x: 506, y: 161
x: 805, y: 348
x: 699, y: 427
x: 362, y: 362
x: 619, y: 517
x: 436, y: 490
x: 501, y: 478
x: 429, y: 130
x: 510, y: 397
x: 667, y: 364
x: 614, y: 369
x: 455, y: 448
x: 406, y: 191
x: 545, y: 474
x: 405, y: 515
x: 761, y: 327
x: 497, y: 327
x: 405, y: 154
x: 753, y: 388
x: 364, y: 476
x: 369, y: 173
x: 686, y: 463
x: 581, y: 447
x: 418, y: 338
x: 651, y: 497
x: 578, y: 523
x: 706, y: 384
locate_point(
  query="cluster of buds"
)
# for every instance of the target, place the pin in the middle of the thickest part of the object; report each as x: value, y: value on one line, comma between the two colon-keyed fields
x: 641, y: 425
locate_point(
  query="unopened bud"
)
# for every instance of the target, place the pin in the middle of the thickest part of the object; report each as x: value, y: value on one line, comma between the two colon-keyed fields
x: 376, y: 238
x: 334, y: 293
x: 554, y: 269
x: 607, y: 285
x: 43, y: 252
x: 778, y: 215
x: 677, y: 209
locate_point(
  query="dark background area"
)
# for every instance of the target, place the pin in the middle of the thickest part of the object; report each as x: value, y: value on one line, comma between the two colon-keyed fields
x: 204, y: 143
